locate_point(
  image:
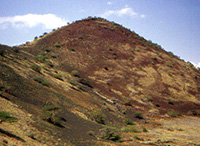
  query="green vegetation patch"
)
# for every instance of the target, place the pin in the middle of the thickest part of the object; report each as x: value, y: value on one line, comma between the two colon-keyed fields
x: 109, y: 134
x: 129, y: 122
x: 138, y: 115
x: 75, y: 73
x: 36, y: 68
x: 51, y: 115
x: 130, y: 128
x: 6, y: 117
x: 41, y: 81
x: 98, y: 116
x: 173, y: 113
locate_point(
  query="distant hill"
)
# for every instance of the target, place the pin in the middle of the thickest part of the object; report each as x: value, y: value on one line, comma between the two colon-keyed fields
x: 94, y: 82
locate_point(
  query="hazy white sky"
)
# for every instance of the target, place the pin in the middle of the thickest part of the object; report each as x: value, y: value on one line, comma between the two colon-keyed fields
x: 173, y: 24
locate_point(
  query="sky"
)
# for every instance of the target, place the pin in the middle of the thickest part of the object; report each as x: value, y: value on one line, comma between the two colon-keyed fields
x: 173, y: 24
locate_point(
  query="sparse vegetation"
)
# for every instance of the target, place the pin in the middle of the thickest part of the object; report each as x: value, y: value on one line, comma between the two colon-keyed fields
x: 6, y: 117
x: 41, y: 81
x: 84, y: 82
x: 57, y: 45
x: 157, y: 104
x: 47, y: 49
x: 51, y: 115
x: 130, y: 58
x: 144, y: 130
x: 91, y: 133
x: 138, y: 115
x: 72, y: 49
x: 194, y: 112
x: 80, y: 37
x: 129, y: 122
x: 36, y: 68
x: 173, y: 113
x: 98, y: 116
x: 130, y: 128
x: 105, y: 67
x: 41, y: 58
x: 58, y: 76
x: 75, y: 73
x: 109, y: 134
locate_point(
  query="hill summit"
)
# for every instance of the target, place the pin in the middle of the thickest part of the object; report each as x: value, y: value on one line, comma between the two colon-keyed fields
x: 94, y: 82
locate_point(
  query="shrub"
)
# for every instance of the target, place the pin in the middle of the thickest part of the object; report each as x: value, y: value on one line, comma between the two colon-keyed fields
x: 138, y: 115
x: 129, y: 122
x: 57, y: 45
x: 105, y: 67
x: 85, y: 82
x: 129, y: 128
x: 72, y: 49
x: 51, y: 115
x: 36, y: 38
x: 91, y: 133
x: 109, y: 134
x: 75, y: 73
x: 80, y: 37
x: 138, y: 50
x: 157, y: 104
x: 130, y: 58
x: 171, y: 54
x: 36, y: 68
x: 2, y: 52
x: 53, y: 55
x: 173, y: 114
x: 41, y: 81
x: 98, y: 116
x: 41, y: 58
x: 58, y: 76
x: 144, y: 130
x: 49, y: 63
x: 47, y: 49
x: 194, y: 112
x: 6, y: 117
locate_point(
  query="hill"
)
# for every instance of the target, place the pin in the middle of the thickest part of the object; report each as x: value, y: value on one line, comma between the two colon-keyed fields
x: 94, y: 82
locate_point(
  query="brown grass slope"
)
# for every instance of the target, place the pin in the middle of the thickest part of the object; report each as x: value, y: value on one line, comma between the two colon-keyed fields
x: 90, y: 75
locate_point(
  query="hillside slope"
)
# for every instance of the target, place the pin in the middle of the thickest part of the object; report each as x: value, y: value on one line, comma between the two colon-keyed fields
x: 86, y: 83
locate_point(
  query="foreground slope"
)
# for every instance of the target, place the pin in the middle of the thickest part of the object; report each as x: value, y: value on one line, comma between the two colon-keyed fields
x: 94, y: 74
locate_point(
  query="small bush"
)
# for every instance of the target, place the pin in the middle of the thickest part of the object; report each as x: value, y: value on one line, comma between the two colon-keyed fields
x: 173, y: 114
x: 41, y: 58
x: 129, y: 122
x: 41, y: 81
x: 157, y: 104
x: 57, y: 45
x: 75, y: 73
x: 138, y: 50
x: 145, y: 130
x: 105, y: 67
x: 53, y: 55
x: 6, y: 117
x: 58, y: 76
x: 72, y: 49
x: 85, y: 82
x: 48, y: 49
x: 130, y: 58
x: 130, y: 128
x: 98, y: 116
x: 138, y: 115
x: 36, y: 68
x: 194, y: 112
x: 91, y: 133
x: 171, y: 54
x: 109, y: 134
x: 80, y: 37
x: 51, y: 115
x: 2, y: 52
